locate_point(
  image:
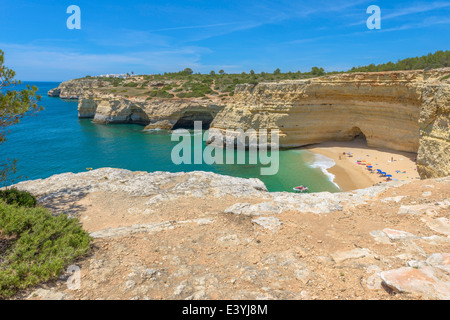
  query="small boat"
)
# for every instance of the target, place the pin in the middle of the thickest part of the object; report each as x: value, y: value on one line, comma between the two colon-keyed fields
x: 301, y: 189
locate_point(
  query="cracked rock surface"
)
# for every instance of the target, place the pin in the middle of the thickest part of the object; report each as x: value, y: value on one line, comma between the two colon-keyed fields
x: 201, y: 235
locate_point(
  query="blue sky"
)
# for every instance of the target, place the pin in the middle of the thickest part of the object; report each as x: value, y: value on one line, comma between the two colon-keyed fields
x: 157, y: 36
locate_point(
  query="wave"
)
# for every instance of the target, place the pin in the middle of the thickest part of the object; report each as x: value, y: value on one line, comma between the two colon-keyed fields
x: 324, y: 163
x: 186, y: 132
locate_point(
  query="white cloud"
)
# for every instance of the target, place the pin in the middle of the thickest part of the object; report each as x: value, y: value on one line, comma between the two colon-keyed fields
x: 406, y: 11
x: 31, y: 61
x: 433, y: 21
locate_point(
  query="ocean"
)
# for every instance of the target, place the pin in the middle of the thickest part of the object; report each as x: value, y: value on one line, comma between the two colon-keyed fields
x: 56, y: 141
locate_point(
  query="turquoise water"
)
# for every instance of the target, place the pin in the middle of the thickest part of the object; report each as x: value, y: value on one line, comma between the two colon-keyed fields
x: 56, y: 141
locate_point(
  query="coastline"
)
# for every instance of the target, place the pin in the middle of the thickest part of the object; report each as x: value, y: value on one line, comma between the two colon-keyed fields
x: 351, y: 176
x: 324, y: 163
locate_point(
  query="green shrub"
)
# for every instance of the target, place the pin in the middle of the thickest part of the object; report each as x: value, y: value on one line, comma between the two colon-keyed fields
x: 39, y: 246
x: 229, y: 88
x: 190, y: 95
x: 195, y: 89
x: 438, y: 59
x: 160, y: 94
x: 15, y: 196
x: 116, y: 82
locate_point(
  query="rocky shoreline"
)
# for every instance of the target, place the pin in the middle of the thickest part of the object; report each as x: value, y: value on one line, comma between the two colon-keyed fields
x: 399, y: 110
x: 201, y: 235
x: 164, y: 114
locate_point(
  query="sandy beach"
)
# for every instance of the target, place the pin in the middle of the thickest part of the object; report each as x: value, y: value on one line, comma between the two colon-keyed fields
x: 349, y: 175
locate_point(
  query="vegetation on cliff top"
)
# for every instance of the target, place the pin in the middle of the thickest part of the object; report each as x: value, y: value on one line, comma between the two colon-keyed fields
x: 187, y: 84
x: 18, y: 197
x: 439, y: 59
x: 36, y: 246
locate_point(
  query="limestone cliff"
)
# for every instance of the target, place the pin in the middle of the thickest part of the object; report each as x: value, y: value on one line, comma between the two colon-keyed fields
x: 155, y: 113
x: 73, y: 89
x: 405, y: 110
x: 400, y: 110
x: 433, y: 159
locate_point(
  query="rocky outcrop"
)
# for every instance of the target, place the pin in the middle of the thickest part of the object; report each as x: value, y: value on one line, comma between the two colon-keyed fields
x: 395, y: 110
x: 140, y: 183
x: 154, y: 114
x: 54, y: 92
x: 74, y: 89
x: 433, y: 159
x: 201, y: 235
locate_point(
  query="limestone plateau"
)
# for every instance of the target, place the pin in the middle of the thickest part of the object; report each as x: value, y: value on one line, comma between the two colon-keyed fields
x: 399, y: 110
x: 201, y: 235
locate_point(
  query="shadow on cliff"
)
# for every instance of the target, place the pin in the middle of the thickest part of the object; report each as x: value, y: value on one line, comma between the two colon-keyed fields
x: 67, y: 202
x: 360, y: 141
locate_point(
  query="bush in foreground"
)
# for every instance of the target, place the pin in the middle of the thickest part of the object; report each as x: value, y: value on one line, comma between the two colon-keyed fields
x: 36, y: 246
x: 15, y: 196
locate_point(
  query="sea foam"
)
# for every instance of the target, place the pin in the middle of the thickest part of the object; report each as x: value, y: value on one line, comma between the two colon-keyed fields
x: 324, y: 163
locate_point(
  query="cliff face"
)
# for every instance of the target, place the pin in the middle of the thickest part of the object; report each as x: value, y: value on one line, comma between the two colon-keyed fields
x: 155, y: 114
x: 394, y: 110
x: 74, y: 89
x: 433, y: 159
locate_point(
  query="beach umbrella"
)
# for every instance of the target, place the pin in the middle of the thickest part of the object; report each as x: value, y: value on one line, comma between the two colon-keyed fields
x: 379, y: 170
x: 383, y: 173
x: 369, y: 166
x: 389, y: 175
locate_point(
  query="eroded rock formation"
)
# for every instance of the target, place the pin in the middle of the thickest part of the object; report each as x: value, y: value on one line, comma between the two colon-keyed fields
x: 155, y: 113
x: 405, y: 110
x: 74, y: 89
x: 399, y: 110
x: 433, y: 158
